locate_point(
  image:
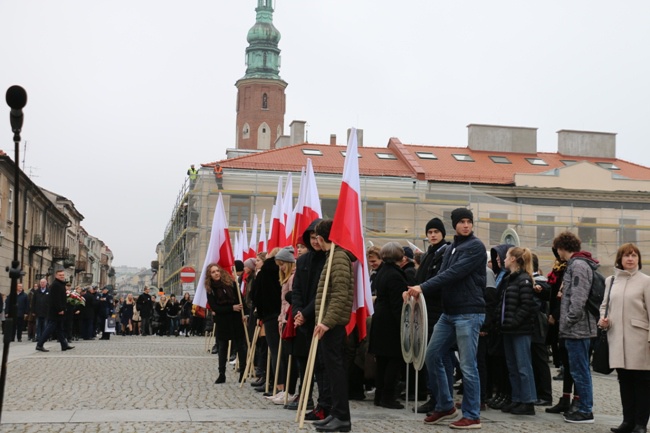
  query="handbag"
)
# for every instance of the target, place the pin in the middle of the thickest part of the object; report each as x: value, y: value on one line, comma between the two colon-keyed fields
x: 600, y: 357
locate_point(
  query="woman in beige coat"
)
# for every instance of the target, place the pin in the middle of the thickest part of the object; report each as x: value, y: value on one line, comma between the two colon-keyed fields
x: 628, y: 334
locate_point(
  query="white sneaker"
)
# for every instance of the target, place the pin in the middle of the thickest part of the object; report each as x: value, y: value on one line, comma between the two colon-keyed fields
x: 273, y: 397
x: 279, y: 398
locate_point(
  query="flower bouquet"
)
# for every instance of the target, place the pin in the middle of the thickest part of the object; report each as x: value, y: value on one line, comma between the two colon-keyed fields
x: 75, y: 298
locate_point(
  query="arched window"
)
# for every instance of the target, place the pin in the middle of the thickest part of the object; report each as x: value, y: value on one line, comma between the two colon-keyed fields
x: 265, y: 102
x: 264, y: 137
x: 246, y: 131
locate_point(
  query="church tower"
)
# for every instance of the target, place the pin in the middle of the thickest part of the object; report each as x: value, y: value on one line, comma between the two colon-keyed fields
x: 260, y: 92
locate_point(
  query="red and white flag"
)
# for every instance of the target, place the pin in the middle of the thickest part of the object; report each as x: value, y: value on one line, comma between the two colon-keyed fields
x: 287, y: 212
x: 243, y: 245
x: 291, y: 221
x: 347, y: 232
x: 261, y: 246
x: 276, y: 234
x: 237, y: 246
x: 219, y: 251
x: 309, y: 209
x: 252, y: 246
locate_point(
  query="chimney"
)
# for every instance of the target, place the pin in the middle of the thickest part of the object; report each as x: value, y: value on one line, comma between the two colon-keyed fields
x: 495, y: 138
x: 359, y: 136
x: 297, y: 131
x: 586, y: 143
x: 332, y: 139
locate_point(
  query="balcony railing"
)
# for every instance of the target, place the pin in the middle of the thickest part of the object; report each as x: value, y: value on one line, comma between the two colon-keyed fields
x: 59, y: 253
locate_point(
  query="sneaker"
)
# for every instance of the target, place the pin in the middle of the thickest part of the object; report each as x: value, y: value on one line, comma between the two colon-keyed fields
x: 579, y: 417
x: 465, y: 423
x: 317, y: 414
x: 437, y: 417
x: 278, y: 397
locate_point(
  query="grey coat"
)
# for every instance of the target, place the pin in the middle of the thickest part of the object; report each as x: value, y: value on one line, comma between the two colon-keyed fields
x: 575, y: 321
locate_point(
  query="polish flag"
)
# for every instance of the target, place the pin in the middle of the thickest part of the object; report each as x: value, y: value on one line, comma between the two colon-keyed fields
x: 261, y: 246
x: 276, y: 235
x: 287, y: 212
x: 236, y: 250
x: 309, y: 209
x: 347, y: 232
x: 291, y: 221
x: 250, y: 253
x: 243, y: 245
x: 219, y: 251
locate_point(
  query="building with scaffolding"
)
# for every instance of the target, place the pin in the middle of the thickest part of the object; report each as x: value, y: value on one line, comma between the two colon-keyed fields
x: 517, y: 194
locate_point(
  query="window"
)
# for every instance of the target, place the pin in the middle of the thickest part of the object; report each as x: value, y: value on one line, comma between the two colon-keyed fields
x: 568, y: 161
x: 463, y: 157
x: 385, y: 155
x: 588, y: 234
x: 497, y: 227
x: 312, y: 152
x: 628, y: 232
x: 545, y: 231
x: 426, y: 155
x: 376, y: 216
x: 328, y: 206
x: 536, y: 161
x: 10, y: 207
x: 344, y: 153
x: 239, y: 210
x: 265, y: 102
x: 608, y: 165
x: 500, y: 160
x: 246, y: 131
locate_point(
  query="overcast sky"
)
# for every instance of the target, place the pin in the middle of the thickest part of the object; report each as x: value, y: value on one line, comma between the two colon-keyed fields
x: 125, y: 95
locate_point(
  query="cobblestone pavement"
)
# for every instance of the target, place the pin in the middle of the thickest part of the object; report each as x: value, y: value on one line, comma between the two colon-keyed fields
x: 154, y: 384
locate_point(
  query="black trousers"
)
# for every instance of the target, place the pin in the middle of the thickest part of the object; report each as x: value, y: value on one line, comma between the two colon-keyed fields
x: 635, y: 395
x: 239, y: 346
x: 332, y: 349
x: 54, y: 326
x: 541, y: 371
x: 387, y: 376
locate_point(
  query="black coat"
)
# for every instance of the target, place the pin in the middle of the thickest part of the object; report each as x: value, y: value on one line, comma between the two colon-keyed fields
x: 41, y: 302
x: 429, y: 268
x: 303, y: 297
x: 520, y: 308
x: 144, y: 305
x: 389, y: 283
x: 229, y: 322
x: 90, y: 306
x: 268, y: 291
x: 58, y: 299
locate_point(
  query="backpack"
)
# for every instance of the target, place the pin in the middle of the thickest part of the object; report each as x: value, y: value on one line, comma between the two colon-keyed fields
x: 596, y: 292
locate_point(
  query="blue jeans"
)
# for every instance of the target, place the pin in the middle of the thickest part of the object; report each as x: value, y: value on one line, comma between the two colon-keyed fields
x: 173, y: 325
x: 449, y: 368
x: 578, y: 351
x: 462, y: 330
x: 41, y: 323
x: 520, y: 367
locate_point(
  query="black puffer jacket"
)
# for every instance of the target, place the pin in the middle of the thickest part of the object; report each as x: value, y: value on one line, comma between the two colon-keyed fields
x: 429, y: 268
x: 519, y: 304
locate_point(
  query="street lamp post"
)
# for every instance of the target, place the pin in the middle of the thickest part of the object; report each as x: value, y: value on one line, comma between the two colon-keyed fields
x: 16, y: 99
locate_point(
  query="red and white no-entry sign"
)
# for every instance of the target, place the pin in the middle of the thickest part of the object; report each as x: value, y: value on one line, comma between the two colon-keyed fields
x: 188, y: 275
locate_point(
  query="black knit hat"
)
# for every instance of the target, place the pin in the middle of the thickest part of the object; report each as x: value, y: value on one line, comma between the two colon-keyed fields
x: 435, y: 223
x: 460, y: 213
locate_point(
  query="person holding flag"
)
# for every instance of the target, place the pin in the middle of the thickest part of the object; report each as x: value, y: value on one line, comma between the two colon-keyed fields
x: 331, y: 332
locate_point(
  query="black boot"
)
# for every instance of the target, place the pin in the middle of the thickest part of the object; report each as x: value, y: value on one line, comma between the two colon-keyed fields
x: 524, y: 409
x: 562, y: 406
x: 221, y: 378
x: 502, y: 403
x: 575, y: 403
x: 639, y: 429
x: 625, y: 427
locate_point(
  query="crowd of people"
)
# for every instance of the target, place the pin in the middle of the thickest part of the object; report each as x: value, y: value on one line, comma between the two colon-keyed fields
x: 492, y: 321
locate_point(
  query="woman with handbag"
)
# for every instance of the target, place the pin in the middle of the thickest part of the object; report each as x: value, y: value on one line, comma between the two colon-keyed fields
x: 126, y: 315
x: 625, y: 314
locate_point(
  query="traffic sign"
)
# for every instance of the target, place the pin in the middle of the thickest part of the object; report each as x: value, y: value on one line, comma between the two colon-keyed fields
x: 188, y: 275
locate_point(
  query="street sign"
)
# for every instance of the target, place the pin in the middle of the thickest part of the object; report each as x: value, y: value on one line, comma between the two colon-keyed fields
x: 188, y: 275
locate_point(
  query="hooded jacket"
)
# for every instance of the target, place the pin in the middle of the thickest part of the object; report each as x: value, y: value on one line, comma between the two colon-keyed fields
x: 429, y: 268
x: 575, y: 321
x: 519, y: 308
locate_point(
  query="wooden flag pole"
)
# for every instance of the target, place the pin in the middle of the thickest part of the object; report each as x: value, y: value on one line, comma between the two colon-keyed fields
x: 277, y: 367
x: 268, y: 370
x: 243, y: 317
x: 302, y: 407
x: 287, y: 380
x: 250, y: 358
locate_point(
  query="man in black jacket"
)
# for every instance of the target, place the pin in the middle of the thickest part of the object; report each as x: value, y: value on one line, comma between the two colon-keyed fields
x: 56, y: 316
x: 88, y: 314
x: 145, y: 307
x: 461, y: 282
x: 40, y: 307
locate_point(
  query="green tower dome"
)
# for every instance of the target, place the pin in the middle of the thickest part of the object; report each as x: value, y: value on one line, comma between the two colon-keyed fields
x: 263, y: 54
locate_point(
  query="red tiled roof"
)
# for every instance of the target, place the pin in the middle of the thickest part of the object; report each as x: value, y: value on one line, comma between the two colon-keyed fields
x: 446, y: 168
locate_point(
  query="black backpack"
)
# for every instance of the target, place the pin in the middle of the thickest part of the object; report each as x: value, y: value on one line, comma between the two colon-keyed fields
x: 596, y: 292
